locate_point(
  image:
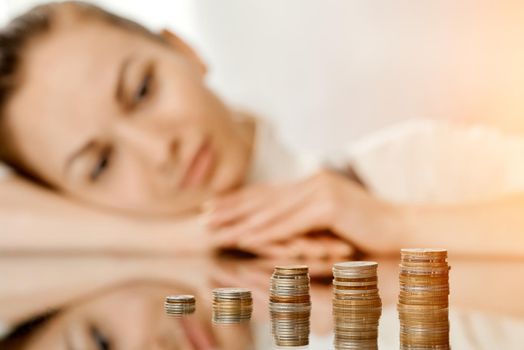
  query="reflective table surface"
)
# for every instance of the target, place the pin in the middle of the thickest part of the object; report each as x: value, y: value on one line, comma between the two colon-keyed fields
x: 118, y: 302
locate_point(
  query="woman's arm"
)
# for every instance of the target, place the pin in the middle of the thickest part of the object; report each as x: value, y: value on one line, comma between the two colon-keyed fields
x: 33, y: 219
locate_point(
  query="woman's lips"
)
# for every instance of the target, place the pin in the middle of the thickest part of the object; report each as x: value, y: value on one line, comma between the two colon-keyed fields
x: 200, y: 167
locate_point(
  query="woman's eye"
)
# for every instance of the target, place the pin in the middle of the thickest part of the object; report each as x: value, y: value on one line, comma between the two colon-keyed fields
x: 143, y: 88
x: 100, y: 340
x: 101, y: 165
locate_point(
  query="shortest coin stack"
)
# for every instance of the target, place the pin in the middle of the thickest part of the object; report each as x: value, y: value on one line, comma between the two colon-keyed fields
x: 423, y: 299
x: 356, y: 305
x: 232, y: 305
x: 179, y: 305
x: 290, y: 305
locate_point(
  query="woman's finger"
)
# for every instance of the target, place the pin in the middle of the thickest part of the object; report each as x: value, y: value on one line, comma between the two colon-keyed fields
x: 216, y: 218
x: 336, y: 247
x: 303, y: 220
x: 230, y: 207
x: 310, y: 248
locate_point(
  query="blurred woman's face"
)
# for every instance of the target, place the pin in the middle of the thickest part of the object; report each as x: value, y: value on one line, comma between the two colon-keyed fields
x: 118, y: 119
x: 127, y: 318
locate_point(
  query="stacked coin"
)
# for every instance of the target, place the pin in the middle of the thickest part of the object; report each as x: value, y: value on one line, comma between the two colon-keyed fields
x: 290, y: 305
x: 179, y: 305
x: 356, y: 305
x: 423, y: 300
x: 232, y: 305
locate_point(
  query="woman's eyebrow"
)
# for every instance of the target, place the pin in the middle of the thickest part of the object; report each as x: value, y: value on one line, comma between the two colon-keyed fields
x: 119, y: 91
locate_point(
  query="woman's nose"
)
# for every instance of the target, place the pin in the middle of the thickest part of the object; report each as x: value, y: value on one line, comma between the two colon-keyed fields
x: 156, y: 145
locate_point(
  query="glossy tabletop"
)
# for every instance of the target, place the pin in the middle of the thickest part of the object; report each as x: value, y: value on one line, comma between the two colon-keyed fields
x: 117, y: 302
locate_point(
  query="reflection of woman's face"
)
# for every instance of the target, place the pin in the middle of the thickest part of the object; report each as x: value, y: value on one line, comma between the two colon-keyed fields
x: 118, y: 119
x: 129, y: 318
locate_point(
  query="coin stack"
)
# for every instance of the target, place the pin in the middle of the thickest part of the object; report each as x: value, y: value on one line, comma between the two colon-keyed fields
x: 290, y: 305
x: 232, y: 305
x: 356, y: 305
x: 423, y: 300
x: 179, y: 305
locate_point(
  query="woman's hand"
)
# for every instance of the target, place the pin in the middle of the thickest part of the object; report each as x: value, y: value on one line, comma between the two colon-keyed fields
x: 261, y: 214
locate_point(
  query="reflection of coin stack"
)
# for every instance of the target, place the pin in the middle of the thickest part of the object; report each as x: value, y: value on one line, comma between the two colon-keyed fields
x: 423, y: 300
x: 232, y: 305
x: 356, y: 305
x: 290, y: 305
x: 179, y: 305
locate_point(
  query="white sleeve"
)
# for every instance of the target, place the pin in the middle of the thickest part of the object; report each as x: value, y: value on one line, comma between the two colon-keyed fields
x: 427, y: 161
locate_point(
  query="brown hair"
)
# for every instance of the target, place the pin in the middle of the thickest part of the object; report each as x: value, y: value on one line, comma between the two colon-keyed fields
x: 14, y: 39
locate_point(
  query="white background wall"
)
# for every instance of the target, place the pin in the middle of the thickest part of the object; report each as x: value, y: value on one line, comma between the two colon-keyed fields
x: 327, y: 71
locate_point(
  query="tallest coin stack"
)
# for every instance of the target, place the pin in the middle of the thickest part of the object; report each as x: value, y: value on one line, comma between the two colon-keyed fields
x: 424, y: 299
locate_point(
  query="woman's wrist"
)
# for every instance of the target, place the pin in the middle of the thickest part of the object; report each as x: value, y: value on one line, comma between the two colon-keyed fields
x: 130, y: 235
x: 180, y: 236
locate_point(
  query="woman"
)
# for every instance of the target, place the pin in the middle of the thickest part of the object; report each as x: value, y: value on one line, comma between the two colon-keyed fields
x: 148, y: 140
x: 120, y: 127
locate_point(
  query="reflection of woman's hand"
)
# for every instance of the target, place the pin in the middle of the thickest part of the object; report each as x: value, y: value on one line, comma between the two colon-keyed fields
x: 327, y: 200
x: 321, y: 247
